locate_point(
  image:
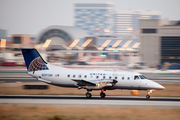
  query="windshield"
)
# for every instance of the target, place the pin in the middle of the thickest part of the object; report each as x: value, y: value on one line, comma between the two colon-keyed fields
x: 142, y: 77
x: 139, y: 77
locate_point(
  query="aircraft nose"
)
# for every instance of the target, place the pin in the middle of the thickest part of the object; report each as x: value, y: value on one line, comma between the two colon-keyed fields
x: 160, y: 87
x: 157, y: 86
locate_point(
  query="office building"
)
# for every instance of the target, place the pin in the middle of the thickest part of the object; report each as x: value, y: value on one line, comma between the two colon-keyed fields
x: 96, y: 18
x: 127, y: 21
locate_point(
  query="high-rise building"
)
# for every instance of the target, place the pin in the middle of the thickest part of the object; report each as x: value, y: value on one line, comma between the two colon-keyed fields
x: 127, y: 21
x: 96, y: 18
x: 3, y: 33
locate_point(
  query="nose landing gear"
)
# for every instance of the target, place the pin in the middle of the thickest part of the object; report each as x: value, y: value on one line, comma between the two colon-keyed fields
x: 148, y: 94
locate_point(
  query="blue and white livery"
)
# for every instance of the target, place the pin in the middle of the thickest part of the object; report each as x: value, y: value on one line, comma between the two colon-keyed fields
x: 86, y: 79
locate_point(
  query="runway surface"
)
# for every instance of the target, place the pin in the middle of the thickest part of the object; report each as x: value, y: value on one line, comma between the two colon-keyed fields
x: 95, y: 101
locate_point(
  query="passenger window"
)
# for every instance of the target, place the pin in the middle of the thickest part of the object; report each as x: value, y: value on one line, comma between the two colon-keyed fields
x: 85, y: 76
x: 68, y: 75
x: 97, y: 76
x: 79, y: 76
x: 104, y: 77
x: 74, y: 76
x: 128, y: 78
x: 109, y: 77
x: 122, y: 78
x: 115, y: 77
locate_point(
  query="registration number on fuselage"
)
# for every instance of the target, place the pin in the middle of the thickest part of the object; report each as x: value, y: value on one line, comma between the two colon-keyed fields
x: 47, y: 75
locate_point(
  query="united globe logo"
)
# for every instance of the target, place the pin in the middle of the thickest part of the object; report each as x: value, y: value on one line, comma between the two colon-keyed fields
x: 37, y: 64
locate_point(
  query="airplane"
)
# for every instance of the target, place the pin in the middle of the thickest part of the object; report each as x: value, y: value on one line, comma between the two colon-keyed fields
x: 85, y: 79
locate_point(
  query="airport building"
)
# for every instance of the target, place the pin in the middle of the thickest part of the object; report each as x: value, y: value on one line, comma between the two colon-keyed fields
x: 9, y: 47
x: 160, y: 41
x: 64, y: 39
x: 64, y: 36
x: 73, y: 38
x: 12, y: 42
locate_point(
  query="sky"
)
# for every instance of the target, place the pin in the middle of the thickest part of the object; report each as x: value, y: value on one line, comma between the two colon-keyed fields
x: 31, y: 16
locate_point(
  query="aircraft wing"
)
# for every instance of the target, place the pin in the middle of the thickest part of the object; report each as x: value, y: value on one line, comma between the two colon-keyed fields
x: 81, y: 82
x: 102, y: 83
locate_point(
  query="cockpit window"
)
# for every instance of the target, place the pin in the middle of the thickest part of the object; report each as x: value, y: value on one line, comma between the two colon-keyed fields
x: 139, y: 77
x: 136, y: 77
x: 142, y: 77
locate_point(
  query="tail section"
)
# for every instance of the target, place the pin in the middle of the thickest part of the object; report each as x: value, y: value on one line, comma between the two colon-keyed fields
x: 33, y: 60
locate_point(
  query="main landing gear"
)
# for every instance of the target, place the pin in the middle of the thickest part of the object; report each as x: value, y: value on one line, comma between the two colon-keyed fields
x: 148, y: 94
x: 103, y: 95
x: 88, y: 95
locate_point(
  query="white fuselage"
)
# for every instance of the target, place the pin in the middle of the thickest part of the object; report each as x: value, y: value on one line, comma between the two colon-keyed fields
x: 63, y: 77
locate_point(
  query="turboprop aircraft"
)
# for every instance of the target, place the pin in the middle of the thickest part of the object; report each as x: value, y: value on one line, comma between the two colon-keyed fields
x: 85, y: 79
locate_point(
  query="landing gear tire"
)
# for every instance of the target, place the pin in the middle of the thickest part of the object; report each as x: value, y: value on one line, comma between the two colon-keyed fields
x: 88, y: 95
x: 103, y: 95
x: 147, y: 96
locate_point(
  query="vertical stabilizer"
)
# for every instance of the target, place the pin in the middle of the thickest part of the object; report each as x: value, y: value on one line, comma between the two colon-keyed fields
x: 33, y: 60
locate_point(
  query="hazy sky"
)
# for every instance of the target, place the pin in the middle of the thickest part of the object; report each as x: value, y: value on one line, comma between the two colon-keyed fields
x: 31, y: 16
